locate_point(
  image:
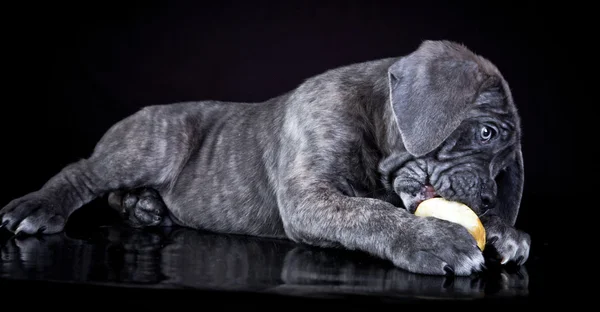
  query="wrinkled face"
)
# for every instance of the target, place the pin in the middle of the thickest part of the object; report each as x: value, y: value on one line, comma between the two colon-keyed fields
x: 465, y: 167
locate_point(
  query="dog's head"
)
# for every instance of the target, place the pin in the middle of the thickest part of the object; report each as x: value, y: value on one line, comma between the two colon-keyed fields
x: 458, y: 121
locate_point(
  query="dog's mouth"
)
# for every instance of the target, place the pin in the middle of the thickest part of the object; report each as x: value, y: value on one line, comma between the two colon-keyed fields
x: 427, y: 192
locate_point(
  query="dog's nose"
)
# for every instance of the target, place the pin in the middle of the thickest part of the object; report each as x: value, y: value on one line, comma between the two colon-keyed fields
x: 488, y: 195
x: 488, y: 200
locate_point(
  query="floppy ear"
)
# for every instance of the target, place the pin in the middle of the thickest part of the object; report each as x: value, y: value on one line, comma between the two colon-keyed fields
x: 510, y: 183
x: 432, y: 90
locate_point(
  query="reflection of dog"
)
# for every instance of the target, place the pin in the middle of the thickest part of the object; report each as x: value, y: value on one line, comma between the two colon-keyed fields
x: 330, y: 163
x: 181, y: 257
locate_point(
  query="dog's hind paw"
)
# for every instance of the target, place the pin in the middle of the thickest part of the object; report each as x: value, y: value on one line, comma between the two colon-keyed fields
x: 139, y: 208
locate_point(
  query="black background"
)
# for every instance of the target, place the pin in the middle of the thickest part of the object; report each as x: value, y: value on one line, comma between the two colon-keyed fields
x: 73, y: 70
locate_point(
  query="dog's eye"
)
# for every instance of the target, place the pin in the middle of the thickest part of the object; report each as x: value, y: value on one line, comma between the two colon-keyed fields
x: 486, y: 133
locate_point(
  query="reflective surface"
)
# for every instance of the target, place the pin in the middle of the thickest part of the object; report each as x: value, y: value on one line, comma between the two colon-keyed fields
x: 186, y: 259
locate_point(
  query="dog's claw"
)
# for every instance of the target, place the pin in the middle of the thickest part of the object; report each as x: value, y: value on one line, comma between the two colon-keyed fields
x: 449, y: 270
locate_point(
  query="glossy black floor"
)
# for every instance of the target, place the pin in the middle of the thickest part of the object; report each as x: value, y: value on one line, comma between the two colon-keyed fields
x: 98, y: 255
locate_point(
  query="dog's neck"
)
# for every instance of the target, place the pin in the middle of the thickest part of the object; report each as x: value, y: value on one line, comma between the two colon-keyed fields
x: 383, y: 129
x: 381, y: 118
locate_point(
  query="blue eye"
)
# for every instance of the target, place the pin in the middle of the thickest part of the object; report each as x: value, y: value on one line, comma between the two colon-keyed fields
x: 486, y: 133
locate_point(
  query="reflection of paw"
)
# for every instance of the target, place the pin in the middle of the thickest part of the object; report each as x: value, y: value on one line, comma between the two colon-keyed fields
x: 140, y: 208
x: 507, y: 281
x: 309, y: 271
x: 509, y: 244
x: 25, y: 256
x: 33, y: 213
x: 438, y: 247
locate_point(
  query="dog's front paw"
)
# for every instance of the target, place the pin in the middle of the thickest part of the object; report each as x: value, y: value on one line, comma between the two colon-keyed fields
x: 508, y: 244
x: 438, y: 247
x: 32, y: 214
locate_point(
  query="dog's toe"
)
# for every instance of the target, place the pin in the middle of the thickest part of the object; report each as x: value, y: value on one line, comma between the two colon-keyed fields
x: 511, y: 247
x: 139, y: 208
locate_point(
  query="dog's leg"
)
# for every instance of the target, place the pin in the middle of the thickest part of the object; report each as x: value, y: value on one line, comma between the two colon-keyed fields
x: 315, y: 213
x: 147, y: 149
x: 141, y: 207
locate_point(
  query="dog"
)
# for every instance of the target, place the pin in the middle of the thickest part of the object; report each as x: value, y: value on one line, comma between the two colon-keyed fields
x: 341, y: 161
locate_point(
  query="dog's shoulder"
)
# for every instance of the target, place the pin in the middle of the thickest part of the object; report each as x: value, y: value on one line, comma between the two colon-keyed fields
x: 355, y: 73
x: 343, y: 84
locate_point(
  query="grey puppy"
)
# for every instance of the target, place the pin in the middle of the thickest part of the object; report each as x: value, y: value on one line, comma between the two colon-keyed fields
x: 341, y: 161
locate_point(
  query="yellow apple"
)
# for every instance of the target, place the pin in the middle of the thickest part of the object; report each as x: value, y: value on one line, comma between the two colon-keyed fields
x: 455, y: 212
